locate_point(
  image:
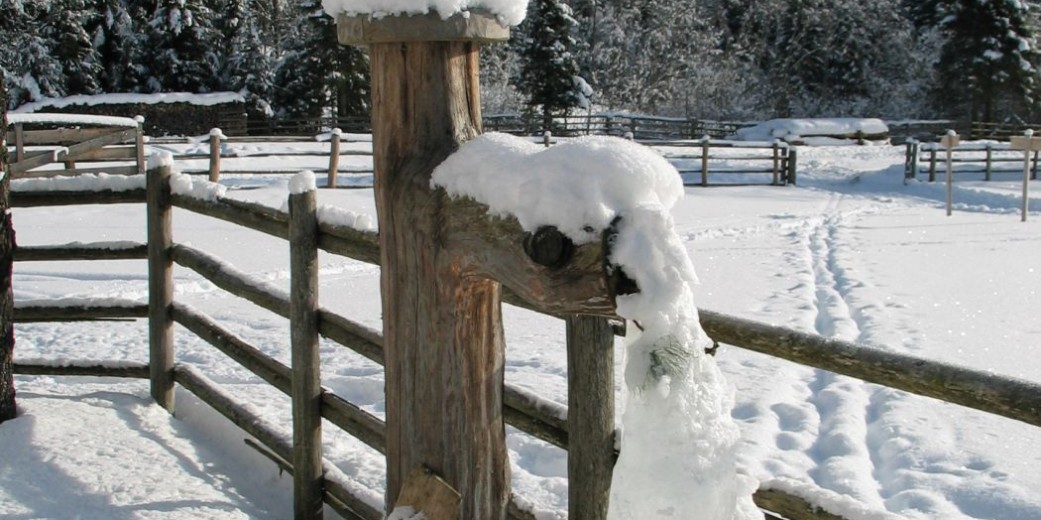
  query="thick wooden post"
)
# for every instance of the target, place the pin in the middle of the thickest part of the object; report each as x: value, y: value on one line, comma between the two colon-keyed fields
x: 932, y: 163
x: 139, y: 144
x: 215, y: 137
x: 590, y: 416
x: 19, y: 142
x: 442, y: 261
x: 334, y: 157
x: 776, y: 163
x: 704, y: 160
x: 306, y: 366
x: 793, y: 165
x: 8, y: 410
x: 160, y: 286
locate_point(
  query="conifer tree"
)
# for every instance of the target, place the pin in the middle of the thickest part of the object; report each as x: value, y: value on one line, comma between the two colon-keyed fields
x: 183, y: 41
x: 116, y: 35
x: 245, y: 66
x: 65, y: 27
x: 548, y: 73
x: 989, y: 63
x: 32, y: 72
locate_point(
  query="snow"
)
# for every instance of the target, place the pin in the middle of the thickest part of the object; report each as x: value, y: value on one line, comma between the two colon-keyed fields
x: 302, y: 182
x: 406, y: 513
x: 70, y: 119
x: 802, y: 129
x: 86, y: 182
x: 508, y: 12
x: 851, y: 253
x: 184, y: 184
x: 213, y: 98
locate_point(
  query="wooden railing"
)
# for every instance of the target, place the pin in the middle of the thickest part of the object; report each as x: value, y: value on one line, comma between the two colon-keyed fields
x: 584, y: 427
x: 715, y: 159
x: 45, y: 139
x: 987, y: 158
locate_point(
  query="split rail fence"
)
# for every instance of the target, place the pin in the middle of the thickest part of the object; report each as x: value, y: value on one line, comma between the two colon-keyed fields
x: 585, y: 428
x: 988, y: 158
x: 726, y: 163
x: 94, y: 141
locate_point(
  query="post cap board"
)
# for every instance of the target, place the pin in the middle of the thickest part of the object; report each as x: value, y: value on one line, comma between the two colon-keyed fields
x: 1025, y: 143
x: 476, y: 25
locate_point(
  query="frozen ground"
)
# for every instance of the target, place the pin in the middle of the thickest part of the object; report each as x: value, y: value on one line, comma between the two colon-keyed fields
x: 851, y: 253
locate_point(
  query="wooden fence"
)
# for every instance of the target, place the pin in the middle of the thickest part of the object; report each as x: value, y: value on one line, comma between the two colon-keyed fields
x: 714, y: 159
x: 45, y: 139
x: 584, y: 427
x: 987, y: 158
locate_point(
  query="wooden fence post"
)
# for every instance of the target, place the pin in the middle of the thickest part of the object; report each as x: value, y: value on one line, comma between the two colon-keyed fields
x: 160, y: 286
x: 308, y: 482
x: 334, y: 157
x: 792, y: 165
x: 989, y: 163
x: 139, y: 144
x: 547, y: 138
x: 19, y: 142
x: 215, y: 137
x: 776, y: 162
x: 590, y: 348
x: 911, y: 160
x: 1033, y: 169
x: 932, y: 163
x: 704, y: 160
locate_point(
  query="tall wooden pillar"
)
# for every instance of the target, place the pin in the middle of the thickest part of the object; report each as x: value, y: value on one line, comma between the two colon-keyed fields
x: 442, y: 328
x: 443, y: 259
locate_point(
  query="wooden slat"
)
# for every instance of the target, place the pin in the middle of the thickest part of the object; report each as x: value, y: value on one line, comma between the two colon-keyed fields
x: 29, y: 199
x: 79, y: 252
x: 119, y: 136
x: 63, y: 136
x: 39, y: 313
x: 1013, y: 398
x: 139, y: 371
x: 108, y: 153
x: 72, y: 172
x: 253, y: 216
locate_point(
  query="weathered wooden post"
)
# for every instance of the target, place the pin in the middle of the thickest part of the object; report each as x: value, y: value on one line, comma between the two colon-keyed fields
x: 704, y: 160
x: 442, y: 261
x: 139, y: 145
x: 307, y: 379
x: 215, y: 138
x: 160, y: 286
x: 19, y: 142
x: 949, y: 142
x: 776, y: 161
x: 334, y: 157
x: 1027, y: 143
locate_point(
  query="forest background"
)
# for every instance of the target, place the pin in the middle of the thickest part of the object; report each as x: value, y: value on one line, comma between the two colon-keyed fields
x: 739, y: 60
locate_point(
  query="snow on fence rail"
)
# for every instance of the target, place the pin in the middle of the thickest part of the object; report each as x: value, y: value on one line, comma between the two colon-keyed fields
x: 590, y: 343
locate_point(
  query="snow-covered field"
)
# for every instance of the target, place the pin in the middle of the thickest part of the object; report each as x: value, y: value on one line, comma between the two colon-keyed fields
x: 851, y: 252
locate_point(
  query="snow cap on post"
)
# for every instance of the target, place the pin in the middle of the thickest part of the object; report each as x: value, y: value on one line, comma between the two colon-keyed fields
x: 364, y: 22
x: 302, y: 182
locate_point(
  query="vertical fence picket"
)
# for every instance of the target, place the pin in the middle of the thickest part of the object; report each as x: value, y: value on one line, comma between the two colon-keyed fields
x: 139, y: 145
x: 989, y: 163
x: 776, y: 163
x: 932, y: 164
x: 19, y: 142
x: 704, y: 160
x: 306, y: 380
x: 793, y: 165
x: 215, y: 137
x: 160, y: 286
x: 590, y: 347
x: 334, y: 157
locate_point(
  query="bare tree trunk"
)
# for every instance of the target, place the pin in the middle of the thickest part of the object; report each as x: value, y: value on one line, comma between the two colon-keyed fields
x: 7, y: 405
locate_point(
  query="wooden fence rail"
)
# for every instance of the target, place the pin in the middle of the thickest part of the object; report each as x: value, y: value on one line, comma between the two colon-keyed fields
x: 986, y: 158
x: 585, y: 427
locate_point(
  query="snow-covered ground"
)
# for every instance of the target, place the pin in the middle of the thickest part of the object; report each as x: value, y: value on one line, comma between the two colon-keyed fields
x: 852, y: 252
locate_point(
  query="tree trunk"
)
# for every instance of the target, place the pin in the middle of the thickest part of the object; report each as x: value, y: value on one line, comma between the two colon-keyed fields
x: 442, y: 324
x: 7, y: 405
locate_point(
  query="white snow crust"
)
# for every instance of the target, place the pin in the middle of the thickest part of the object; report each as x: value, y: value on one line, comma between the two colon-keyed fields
x: 85, y: 182
x: 70, y: 119
x: 184, y: 184
x: 508, y: 12
x: 302, y: 182
x: 213, y: 98
x: 802, y: 129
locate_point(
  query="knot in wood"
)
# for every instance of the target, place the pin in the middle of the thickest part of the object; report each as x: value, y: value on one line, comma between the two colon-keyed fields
x: 547, y: 246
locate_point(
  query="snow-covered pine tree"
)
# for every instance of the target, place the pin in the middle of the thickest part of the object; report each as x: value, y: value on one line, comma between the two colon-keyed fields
x: 65, y: 26
x: 988, y: 67
x: 117, y: 37
x: 316, y: 72
x: 183, y: 43
x: 32, y: 73
x: 548, y: 73
x: 246, y: 66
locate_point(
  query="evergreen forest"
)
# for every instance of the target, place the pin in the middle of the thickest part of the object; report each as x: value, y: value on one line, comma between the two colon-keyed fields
x: 706, y: 59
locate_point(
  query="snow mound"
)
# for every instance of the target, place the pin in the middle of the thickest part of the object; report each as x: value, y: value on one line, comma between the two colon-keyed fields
x: 814, y: 131
x: 678, y: 451
x: 508, y: 12
x: 213, y: 98
x: 183, y: 184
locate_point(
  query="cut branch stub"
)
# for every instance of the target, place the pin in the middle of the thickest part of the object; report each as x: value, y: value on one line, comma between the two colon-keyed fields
x: 547, y: 246
x: 545, y: 268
